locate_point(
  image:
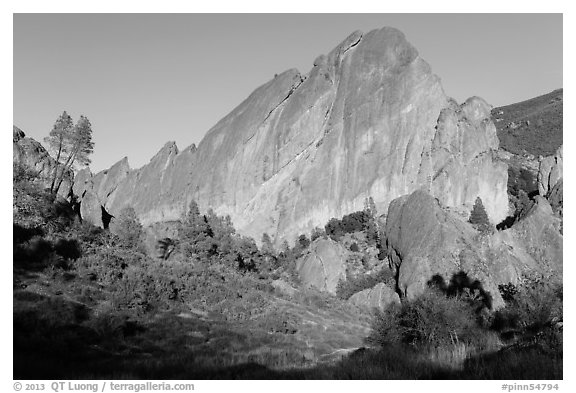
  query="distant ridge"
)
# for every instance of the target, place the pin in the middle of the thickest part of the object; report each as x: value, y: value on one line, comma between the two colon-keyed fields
x: 533, y: 126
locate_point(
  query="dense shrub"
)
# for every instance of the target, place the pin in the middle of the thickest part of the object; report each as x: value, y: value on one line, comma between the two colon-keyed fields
x: 353, y: 222
x: 533, y: 309
x: 432, y: 320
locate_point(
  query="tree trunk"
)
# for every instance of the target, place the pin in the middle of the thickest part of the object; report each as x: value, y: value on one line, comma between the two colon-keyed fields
x: 56, y: 169
x: 67, y: 166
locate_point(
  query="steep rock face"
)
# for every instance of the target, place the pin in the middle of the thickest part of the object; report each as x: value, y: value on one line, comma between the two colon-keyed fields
x: 380, y: 297
x: 369, y: 119
x: 32, y: 156
x: 550, y: 172
x: 323, y: 266
x: 95, y: 190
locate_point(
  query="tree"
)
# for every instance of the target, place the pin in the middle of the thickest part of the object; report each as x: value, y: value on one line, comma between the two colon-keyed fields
x: 195, y: 234
x: 72, y: 144
x: 127, y: 227
x: 317, y: 233
x: 478, y: 217
x: 370, y: 207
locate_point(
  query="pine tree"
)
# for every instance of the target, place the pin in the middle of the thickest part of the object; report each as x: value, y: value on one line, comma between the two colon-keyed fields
x: 71, y: 145
x: 478, y: 217
x: 196, y: 235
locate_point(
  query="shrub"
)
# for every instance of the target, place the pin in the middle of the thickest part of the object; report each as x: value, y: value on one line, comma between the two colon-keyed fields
x: 533, y: 309
x: 432, y: 320
x: 353, y: 222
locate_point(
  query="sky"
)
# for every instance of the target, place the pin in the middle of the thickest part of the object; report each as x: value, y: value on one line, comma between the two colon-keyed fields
x: 146, y: 79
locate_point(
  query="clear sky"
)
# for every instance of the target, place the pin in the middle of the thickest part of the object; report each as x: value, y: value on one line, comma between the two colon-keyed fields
x: 145, y: 79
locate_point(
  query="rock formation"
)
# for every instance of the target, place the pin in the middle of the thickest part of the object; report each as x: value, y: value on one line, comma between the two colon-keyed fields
x: 380, y: 296
x: 427, y: 244
x: 550, y: 172
x: 31, y: 156
x: 324, y: 265
x: 369, y: 119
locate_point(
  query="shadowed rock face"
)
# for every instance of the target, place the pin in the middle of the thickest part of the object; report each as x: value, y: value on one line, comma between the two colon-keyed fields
x: 369, y: 119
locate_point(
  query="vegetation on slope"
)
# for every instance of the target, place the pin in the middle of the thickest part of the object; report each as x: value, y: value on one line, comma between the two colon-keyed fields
x: 533, y: 126
x: 90, y: 303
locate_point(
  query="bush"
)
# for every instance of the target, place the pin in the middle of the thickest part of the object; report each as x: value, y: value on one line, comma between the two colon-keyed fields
x: 430, y: 321
x: 350, y: 223
x: 533, y: 309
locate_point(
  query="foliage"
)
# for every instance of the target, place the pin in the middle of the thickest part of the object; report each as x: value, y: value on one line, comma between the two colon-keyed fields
x: 317, y: 233
x: 350, y: 223
x: 479, y: 217
x: 431, y: 320
x: 128, y: 228
x: 71, y: 144
x: 533, y: 309
x: 196, y: 235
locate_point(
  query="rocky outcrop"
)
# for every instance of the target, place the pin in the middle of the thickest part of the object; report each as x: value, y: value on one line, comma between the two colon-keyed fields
x: 550, y: 172
x: 94, y: 191
x: 31, y: 156
x: 380, y: 297
x: 323, y: 266
x: 539, y: 233
x: 556, y: 198
x: 427, y: 244
x: 369, y: 119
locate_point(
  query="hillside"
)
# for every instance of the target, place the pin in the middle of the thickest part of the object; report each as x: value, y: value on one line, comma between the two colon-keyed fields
x: 533, y: 126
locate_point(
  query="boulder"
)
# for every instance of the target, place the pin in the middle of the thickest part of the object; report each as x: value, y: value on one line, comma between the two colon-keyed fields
x: 323, y: 266
x: 550, y: 172
x: 369, y: 119
x: 380, y: 296
x: 430, y: 245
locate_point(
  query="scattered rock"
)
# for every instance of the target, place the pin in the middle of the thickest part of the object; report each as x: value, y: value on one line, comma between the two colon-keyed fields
x: 380, y: 297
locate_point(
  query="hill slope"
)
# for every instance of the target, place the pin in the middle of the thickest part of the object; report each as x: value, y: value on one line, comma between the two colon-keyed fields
x: 533, y: 126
